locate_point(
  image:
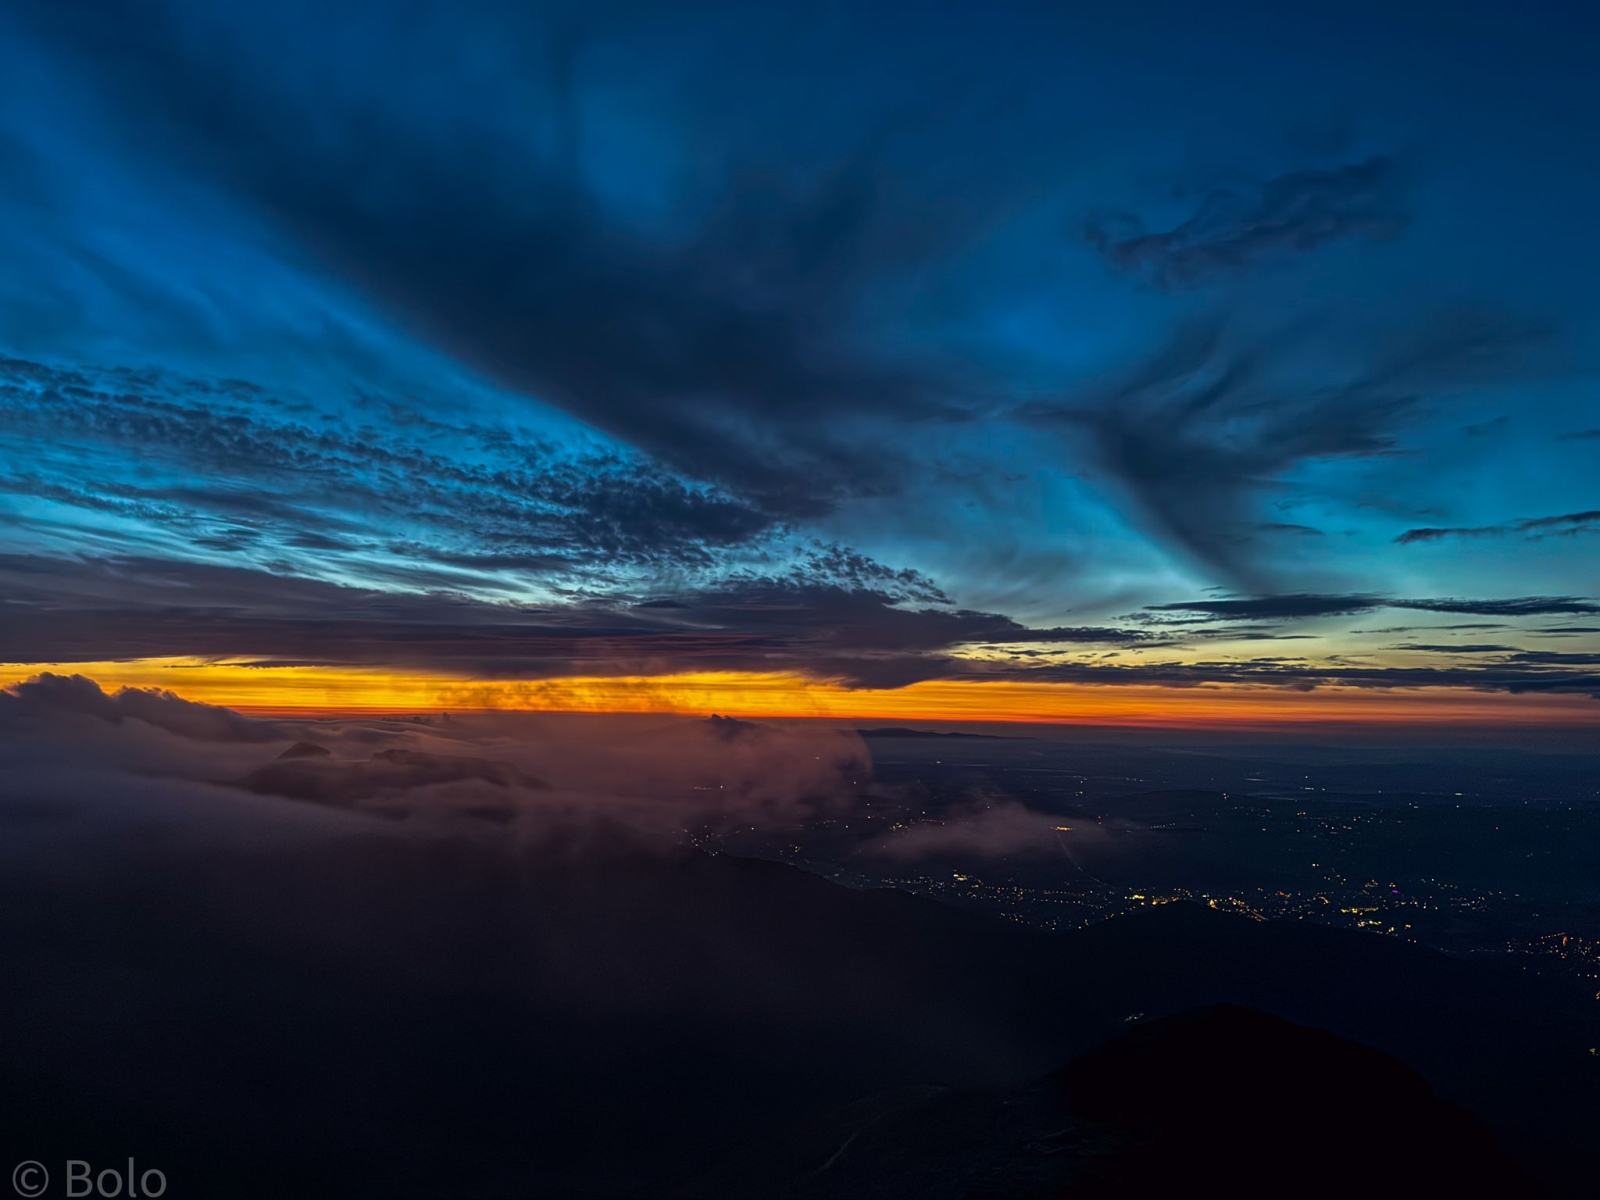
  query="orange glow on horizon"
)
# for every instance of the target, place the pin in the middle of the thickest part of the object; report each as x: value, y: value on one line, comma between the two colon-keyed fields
x: 328, y: 691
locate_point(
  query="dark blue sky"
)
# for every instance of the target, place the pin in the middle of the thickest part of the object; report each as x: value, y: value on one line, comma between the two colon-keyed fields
x: 845, y: 338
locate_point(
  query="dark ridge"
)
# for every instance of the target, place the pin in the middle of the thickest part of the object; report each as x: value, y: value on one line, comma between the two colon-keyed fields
x: 1244, y: 1103
x: 306, y: 750
x: 1220, y: 1100
x: 417, y: 1016
x: 732, y: 728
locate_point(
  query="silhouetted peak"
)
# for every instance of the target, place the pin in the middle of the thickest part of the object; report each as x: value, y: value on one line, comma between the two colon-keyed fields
x: 1261, y: 1106
x: 306, y: 750
x: 732, y: 728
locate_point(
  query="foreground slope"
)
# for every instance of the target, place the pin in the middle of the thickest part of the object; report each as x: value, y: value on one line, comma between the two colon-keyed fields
x: 420, y: 1017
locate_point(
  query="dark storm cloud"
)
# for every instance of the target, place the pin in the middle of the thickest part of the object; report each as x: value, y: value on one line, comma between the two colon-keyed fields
x: 1196, y: 433
x: 1532, y: 528
x: 727, y: 293
x: 486, y: 236
x: 66, y: 611
x: 1235, y: 227
x: 776, y: 306
x: 812, y: 619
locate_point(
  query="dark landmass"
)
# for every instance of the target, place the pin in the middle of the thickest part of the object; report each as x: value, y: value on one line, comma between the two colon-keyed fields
x: 417, y: 1017
x: 1223, y: 1100
x: 306, y: 750
x: 731, y: 729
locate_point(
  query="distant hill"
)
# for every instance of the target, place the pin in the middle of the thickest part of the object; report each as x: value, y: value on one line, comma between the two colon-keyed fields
x: 1222, y: 1100
x: 306, y: 750
x: 731, y: 729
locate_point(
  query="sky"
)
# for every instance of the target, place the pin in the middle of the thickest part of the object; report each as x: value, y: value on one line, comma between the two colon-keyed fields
x: 1127, y: 362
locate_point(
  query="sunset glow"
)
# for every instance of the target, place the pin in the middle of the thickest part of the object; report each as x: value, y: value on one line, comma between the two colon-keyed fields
x: 799, y: 600
x: 331, y: 691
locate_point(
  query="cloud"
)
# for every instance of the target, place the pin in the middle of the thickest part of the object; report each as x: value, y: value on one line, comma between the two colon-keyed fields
x: 483, y: 976
x: 659, y: 777
x: 434, y: 501
x: 1465, y: 648
x: 1292, y: 606
x: 323, y: 780
x: 1523, y: 606
x: 1415, y: 628
x: 759, y: 316
x: 834, y: 615
x: 1300, y: 605
x: 1234, y: 228
x: 160, y: 709
x: 984, y: 828
x: 1517, y: 675
x: 1197, y: 433
x: 721, y: 345
x: 1533, y: 528
x: 1289, y: 527
x: 1557, y: 658
x: 888, y: 637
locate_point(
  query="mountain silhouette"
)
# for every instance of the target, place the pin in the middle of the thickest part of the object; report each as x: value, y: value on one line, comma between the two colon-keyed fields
x: 1223, y: 1100
x: 412, y: 1016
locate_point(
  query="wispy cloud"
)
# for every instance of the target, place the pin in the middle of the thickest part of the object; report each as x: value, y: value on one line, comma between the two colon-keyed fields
x: 1533, y: 528
x: 1204, y: 427
x: 1233, y: 228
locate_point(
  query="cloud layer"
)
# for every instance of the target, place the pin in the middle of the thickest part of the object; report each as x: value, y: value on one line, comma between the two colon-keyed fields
x: 510, y: 344
x: 1233, y: 228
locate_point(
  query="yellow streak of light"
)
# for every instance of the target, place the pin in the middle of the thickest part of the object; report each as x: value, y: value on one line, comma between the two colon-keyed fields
x: 331, y: 690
